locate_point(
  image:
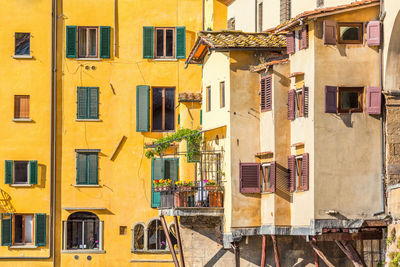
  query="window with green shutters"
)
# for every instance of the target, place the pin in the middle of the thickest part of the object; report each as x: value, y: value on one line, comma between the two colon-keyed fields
x: 21, y: 172
x: 6, y: 229
x: 88, y: 103
x: 164, y: 43
x: 72, y: 41
x: 40, y: 229
x: 166, y: 168
x: 142, y: 108
x: 105, y: 41
x: 87, y: 168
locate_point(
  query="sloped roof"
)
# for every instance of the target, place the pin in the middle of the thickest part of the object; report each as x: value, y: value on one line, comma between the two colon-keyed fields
x: 320, y: 12
x: 229, y: 40
x: 265, y: 65
x: 227, y: 2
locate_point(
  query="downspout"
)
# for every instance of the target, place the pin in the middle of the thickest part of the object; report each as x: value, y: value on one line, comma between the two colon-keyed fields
x: 115, y: 25
x: 204, y: 6
x: 255, y: 16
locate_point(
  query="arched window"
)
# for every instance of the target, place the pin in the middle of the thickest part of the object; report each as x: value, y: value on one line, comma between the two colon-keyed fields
x: 83, y: 231
x: 172, y: 235
x: 155, y: 236
x: 138, y: 237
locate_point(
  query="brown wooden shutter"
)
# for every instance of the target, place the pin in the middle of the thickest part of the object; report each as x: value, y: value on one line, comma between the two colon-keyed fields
x: 305, y: 172
x: 291, y: 106
x: 330, y: 99
x: 290, y: 42
x: 374, y: 33
x: 21, y: 106
x: 374, y: 100
x: 250, y: 177
x: 273, y: 177
x: 266, y: 93
x: 329, y: 32
x: 304, y: 37
x: 292, y: 174
x: 304, y: 106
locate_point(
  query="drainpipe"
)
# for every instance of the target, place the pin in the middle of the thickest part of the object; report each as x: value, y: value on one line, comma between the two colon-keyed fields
x: 255, y: 16
x: 381, y: 18
x: 115, y: 24
x: 204, y: 6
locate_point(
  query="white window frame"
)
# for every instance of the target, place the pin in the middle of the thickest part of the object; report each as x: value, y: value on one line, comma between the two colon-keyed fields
x: 298, y: 185
x: 87, y: 29
x: 264, y: 186
x: 101, y: 234
x: 27, y: 172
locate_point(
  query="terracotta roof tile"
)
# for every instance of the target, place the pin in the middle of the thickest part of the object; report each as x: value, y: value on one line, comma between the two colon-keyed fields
x: 265, y: 65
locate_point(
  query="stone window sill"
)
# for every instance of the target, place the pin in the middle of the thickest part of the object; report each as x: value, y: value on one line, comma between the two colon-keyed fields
x: 88, y: 59
x: 24, y: 246
x: 22, y: 120
x: 83, y: 251
x: 87, y: 185
x: 22, y: 56
x: 21, y: 185
x: 152, y: 251
x: 88, y: 120
x: 165, y: 59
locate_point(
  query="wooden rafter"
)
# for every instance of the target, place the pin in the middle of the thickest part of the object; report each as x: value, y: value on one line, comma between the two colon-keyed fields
x: 351, y: 253
x: 317, y: 250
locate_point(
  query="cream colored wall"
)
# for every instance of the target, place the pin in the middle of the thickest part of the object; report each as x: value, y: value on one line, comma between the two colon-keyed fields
x: 244, y: 13
x: 300, y: 6
x: 355, y: 146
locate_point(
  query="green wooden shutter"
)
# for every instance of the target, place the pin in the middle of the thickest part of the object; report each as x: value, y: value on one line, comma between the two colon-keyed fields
x: 92, y: 161
x: 82, y: 105
x: 157, y: 172
x: 6, y: 229
x: 40, y: 229
x: 180, y: 42
x: 81, y: 168
x: 105, y: 41
x: 33, y: 172
x: 71, y: 44
x: 173, y: 169
x: 9, y: 166
x: 201, y: 116
x: 148, y: 37
x: 142, y: 108
x: 93, y: 105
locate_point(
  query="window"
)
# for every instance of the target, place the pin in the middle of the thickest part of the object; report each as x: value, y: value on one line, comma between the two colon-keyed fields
x: 22, y: 44
x: 88, y: 103
x: 138, y: 237
x: 298, y: 172
x: 87, y: 168
x: 208, y: 98
x: 83, y: 231
x: 21, y: 172
x: 156, y: 236
x: 165, y: 43
x: 285, y: 10
x: 165, y: 168
x: 21, y: 107
x: 260, y: 17
x: 222, y: 94
x: 299, y: 102
x: 231, y: 24
x: 23, y: 229
x: 320, y: 3
x: 88, y: 42
x: 350, y: 99
x: 266, y: 177
x: 350, y: 33
x: 163, y: 109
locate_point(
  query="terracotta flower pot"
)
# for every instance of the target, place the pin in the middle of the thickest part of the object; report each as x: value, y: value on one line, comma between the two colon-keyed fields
x: 184, y: 188
x: 211, y: 187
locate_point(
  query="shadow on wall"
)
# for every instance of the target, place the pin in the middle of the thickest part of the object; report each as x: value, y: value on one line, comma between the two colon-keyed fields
x: 5, y: 202
x: 41, y: 175
x: 392, y: 81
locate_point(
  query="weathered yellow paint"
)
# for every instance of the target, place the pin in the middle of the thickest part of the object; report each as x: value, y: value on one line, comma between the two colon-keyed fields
x: 299, y: 81
x: 300, y: 149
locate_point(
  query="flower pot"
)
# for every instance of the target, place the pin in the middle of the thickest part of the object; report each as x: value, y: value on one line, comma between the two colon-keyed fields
x: 184, y: 188
x: 211, y: 187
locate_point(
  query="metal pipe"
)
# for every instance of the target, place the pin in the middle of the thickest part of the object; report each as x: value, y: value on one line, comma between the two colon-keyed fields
x: 255, y: 16
x: 115, y: 26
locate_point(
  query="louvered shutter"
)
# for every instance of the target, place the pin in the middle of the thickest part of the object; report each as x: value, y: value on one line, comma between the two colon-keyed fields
x: 263, y: 94
x: 157, y: 172
x: 148, y: 40
x: 304, y: 106
x: 291, y: 105
x: 40, y: 229
x: 305, y: 172
x: 6, y: 229
x: 33, y: 172
x: 329, y: 32
x: 173, y: 168
x: 304, y: 37
x: 266, y: 93
x: 142, y: 108
x: 71, y: 41
x: 105, y: 41
x: 374, y: 100
x: 330, y: 99
x: 180, y: 42
x: 82, y: 105
x: 93, y: 168
x: 93, y: 108
x: 290, y: 43
x: 292, y: 173
x: 9, y: 166
x: 81, y: 168
x: 249, y: 178
x: 273, y: 177
x: 374, y: 33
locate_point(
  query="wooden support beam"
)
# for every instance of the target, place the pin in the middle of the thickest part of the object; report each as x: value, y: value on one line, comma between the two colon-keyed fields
x: 317, y: 250
x: 367, y: 235
x: 171, y: 247
x: 351, y: 253
x: 264, y: 251
x: 236, y: 249
x: 276, y: 252
x: 316, y: 259
x: 178, y: 239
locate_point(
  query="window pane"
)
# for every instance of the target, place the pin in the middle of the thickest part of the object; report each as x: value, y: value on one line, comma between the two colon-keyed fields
x: 21, y: 172
x: 157, y: 108
x: 91, y: 238
x: 169, y: 43
x: 22, y: 43
x: 169, y: 109
x: 160, y: 43
x: 92, y: 42
x: 350, y: 100
x: 74, y: 235
x: 139, y: 237
x: 28, y: 228
x: 268, y: 173
x: 222, y: 94
x: 18, y: 229
x: 82, y: 42
x: 349, y: 33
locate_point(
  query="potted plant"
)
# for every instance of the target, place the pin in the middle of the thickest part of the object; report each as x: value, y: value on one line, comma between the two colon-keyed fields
x: 184, y: 186
x: 210, y: 185
x: 162, y: 185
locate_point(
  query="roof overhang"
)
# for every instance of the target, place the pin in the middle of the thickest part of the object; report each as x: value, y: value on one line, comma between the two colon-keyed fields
x: 226, y: 2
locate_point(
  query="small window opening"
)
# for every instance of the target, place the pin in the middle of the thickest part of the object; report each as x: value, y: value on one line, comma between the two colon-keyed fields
x: 88, y: 42
x: 350, y: 33
x: 163, y: 109
x: 21, y: 172
x: 266, y: 177
x: 22, y: 44
x: 165, y: 42
x: 156, y: 236
x: 350, y: 99
x: 299, y: 175
x: 138, y: 237
x: 23, y: 229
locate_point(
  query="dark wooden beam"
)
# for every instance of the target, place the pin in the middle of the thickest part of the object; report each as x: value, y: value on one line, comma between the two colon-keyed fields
x: 351, y: 253
x: 276, y: 252
x: 368, y: 235
x: 171, y: 247
x: 236, y: 249
x: 317, y: 250
x: 178, y: 239
x: 316, y: 259
x: 264, y: 251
